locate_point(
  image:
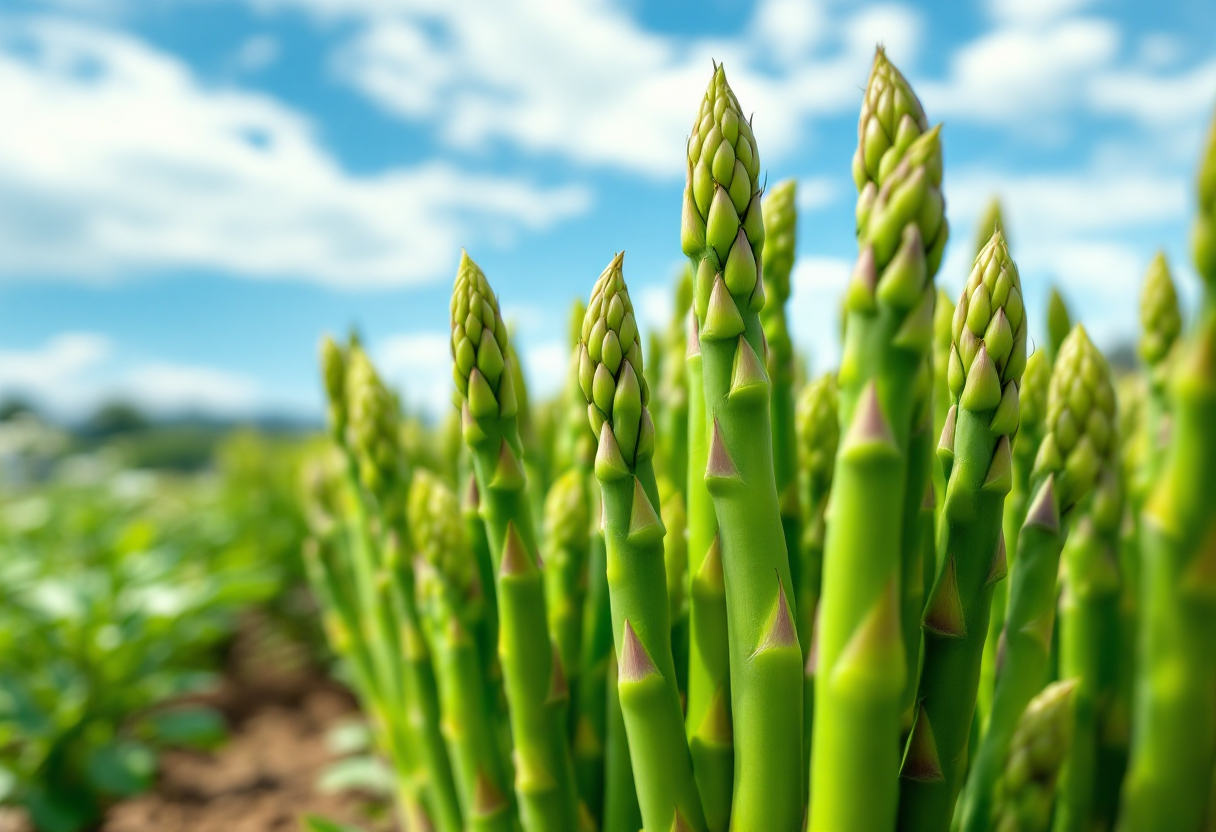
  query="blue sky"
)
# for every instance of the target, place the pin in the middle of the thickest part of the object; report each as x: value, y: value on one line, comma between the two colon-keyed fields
x: 192, y: 191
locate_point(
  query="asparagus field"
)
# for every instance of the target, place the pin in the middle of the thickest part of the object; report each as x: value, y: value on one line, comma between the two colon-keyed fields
x: 962, y: 582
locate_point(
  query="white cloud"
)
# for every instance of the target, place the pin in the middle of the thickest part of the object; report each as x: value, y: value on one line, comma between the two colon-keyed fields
x: 74, y: 372
x: 1014, y: 73
x: 1159, y: 100
x: 818, y: 285
x: 545, y: 367
x: 817, y: 192
x: 257, y: 53
x: 115, y: 158
x: 419, y: 366
x: 1034, y: 11
x: 586, y: 81
x: 165, y: 388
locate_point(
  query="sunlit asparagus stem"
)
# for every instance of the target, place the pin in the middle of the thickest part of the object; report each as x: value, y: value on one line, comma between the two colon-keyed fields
x: 862, y: 672
x: 1032, y: 405
x: 985, y: 367
x: 1174, y: 728
x: 544, y: 776
x: 449, y: 600
x: 1040, y: 742
x: 1089, y: 641
x: 723, y: 235
x: 389, y: 593
x: 611, y: 377
x: 592, y: 742
x: 707, y: 719
x: 1161, y: 325
x: 780, y: 210
x: 818, y: 438
x: 1059, y: 322
x: 675, y: 561
x: 565, y: 565
x: 1080, y: 430
x: 621, y: 810
x: 673, y: 389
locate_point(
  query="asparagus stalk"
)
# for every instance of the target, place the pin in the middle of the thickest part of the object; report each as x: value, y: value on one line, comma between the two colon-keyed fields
x: 1032, y: 406
x: 992, y: 219
x: 862, y: 669
x: 610, y: 373
x: 1089, y: 642
x: 723, y: 234
x: 818, y: 438
x: 673, y: 389
x: 943, y: 335
x: 780, y: 211
x: 1079, y: 434
x: 675, y: 561
x: 987, y: 357
x: 621, y: 810
x: 449, y: 599
x: 386, y: 576
x: 1043, y: 737
x: 1161, y: 324
x: 1059, y: 322
x: 592, y: 741
x: 1174, y: 727
x: 544, y: 777
x: 565, y: 566
x: 708, y: 719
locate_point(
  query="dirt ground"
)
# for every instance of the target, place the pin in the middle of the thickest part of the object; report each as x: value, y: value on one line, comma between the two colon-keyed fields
x: 264, y: 778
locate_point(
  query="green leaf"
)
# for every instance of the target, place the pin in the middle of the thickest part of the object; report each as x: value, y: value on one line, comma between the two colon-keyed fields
x: 57, y: 811
x: 365, y: 773
x: 197, y: 726
x: 122, y: 768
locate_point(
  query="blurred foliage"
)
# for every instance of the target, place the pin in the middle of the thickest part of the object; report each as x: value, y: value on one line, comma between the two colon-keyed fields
x: 118, y: 594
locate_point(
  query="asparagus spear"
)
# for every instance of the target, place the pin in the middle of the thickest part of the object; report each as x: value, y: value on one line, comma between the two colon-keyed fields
x: 544, y: 777
x: 862, y: 668
x: 675, y: 561
x: 1089, y: 641
x: 943, y: 335
x: 818, y: 438
x: 708, y: 719
x: 1161, y: 324
x: 723, y: 234
x: 1174, y: 725
x: 610, y: 374
x: 1042, y: 739
x: 1032, y: 406
x: 449, y: 599
x: 1059, y: 322
x: 1080, y: 431
x: 992, y: 219
x: 565, y: 566
x: 386, y: 577
x: 781, y: 232
x: 673, y: 389
x: 598, y: 776
x: 987, y: 357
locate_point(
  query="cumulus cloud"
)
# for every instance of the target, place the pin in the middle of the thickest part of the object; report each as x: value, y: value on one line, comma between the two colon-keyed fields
x: 74, y: 372
x: 817, y: 286
x: 588, y: 82
x: 115, y: 158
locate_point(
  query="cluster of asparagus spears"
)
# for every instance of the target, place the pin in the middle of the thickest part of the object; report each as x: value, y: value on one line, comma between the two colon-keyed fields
x: 949, y: 586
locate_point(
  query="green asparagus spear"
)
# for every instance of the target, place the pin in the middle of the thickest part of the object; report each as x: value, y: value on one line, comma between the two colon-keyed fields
x: 708, y: 719
x: 1161, y: 324
x: 449, y: 599
x: 1059, y: 322
x: 673, y: 388
x: 592, y: 743
x: 544, y: 777
x: 1089, y: 641
x: 722, y: 233
x: 1042, y: 739
x: 943, y: 334
x: 987, y: 357
x: 781, y: 232
x: 1174, y: 727
x: 610, y: 373
x: 675, y: 559
x: 1080, y: 431
x: 818, y: 438
x: 863, y: 670
x: 565, y: 566
x: 991, y: 220
x: 1032, y: 405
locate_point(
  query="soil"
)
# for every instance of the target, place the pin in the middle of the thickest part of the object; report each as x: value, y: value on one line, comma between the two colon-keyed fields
x: 265, y: 777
